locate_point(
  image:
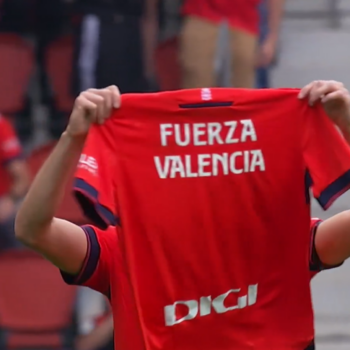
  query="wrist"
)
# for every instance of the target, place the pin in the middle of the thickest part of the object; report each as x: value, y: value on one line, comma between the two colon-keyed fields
x: 73, y: 138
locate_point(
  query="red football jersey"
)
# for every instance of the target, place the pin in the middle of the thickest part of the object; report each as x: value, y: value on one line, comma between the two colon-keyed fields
x: 205, y: 186
x: 103, y: 262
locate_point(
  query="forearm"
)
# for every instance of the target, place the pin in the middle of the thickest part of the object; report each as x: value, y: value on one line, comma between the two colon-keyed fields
x: 275, y: 15
x: 45, y: 194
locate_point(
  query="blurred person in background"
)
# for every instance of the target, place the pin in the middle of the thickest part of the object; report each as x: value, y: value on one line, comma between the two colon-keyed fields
x: 199, y: 39
x: 267, y: 47
x: 14, y: 182
x: 94, y: 321
x: 170, y: 19
x: 115, y: 44
x: 167, y: 63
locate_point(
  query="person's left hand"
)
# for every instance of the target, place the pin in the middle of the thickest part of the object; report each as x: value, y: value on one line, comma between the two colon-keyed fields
x: 266, y: 53
x: 334, y: 97
x: 7, y: 208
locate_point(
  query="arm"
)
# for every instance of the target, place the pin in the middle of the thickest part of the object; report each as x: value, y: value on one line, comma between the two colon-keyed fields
x: 335, y: 99
x: 268, y: 47
x: 275, y: 15
x: 332, y: 241
x: 62, y: 242
x: 150, y: 37
x: 58, y: 240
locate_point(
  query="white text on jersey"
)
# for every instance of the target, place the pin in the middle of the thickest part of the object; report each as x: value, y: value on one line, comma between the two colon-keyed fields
x: 206, y: 305
x: 201, y: 134
x: 213, y: 163
x: 210, y: 164
x: 88, y: 163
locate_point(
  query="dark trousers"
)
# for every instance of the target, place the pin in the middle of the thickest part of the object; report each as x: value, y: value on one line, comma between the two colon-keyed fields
x: 108, y: 51
x: 263, y: 77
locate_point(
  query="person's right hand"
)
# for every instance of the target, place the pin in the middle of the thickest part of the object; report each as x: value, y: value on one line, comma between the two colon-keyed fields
x: 92, y: 106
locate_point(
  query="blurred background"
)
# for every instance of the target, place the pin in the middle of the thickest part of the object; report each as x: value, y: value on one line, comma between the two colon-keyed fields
x: 50, y: 50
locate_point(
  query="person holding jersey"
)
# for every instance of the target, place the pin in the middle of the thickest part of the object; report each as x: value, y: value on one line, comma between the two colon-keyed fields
x: 73, y: 248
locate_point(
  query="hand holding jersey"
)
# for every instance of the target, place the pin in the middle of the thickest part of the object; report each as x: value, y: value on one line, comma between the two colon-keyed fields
x: 98, y: 103
x: 93, y: 106
x: 62, y: 242
x: 335, y: 99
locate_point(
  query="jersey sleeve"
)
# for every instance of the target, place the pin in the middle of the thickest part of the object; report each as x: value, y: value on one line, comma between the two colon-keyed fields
x: 327, y: 157
x: 97, y: 266
x: 94, y: 184
x: 10, y: 147
x: 315, y: 263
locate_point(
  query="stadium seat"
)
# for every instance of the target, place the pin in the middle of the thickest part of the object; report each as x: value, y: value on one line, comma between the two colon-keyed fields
x: 69, y: 209
x: 167, y: 65
x: 16, y: 66
x: 36, y: 307
x: 59, y: 58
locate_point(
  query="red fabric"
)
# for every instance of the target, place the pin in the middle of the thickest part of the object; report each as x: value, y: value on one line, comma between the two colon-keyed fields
x: 100, y: 279
x: 207, y: 208
x: 242, y: 14
x: 94, y: 171
x: 10, y: 149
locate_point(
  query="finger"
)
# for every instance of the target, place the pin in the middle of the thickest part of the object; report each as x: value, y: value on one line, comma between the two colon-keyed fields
x: 323, y: 88
x: 342, y: 94
x: 86, y: 101
x: 108, y: 100
x: 316, y: 92
x: 107, y: 104
x: 115, y: 96
x: 98, y: 100
x: 305, y: 90
x: 111, y: 96
x: 88, y: 106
